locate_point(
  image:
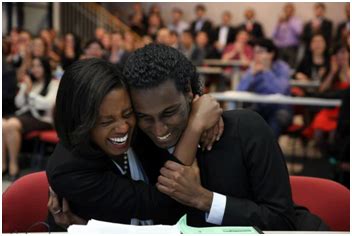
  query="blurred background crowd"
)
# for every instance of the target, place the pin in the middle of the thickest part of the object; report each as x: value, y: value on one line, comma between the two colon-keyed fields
x: 313, y: 50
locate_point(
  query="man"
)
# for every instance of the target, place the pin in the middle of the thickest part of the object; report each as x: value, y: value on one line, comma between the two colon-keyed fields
x: 225, y: 33
x: 319, y: 24
x: 237, y: 173
x: 201, y: 23
x: 268, y: 75
x: 178, y: 25
x: 343, y: 29
x: 287, y: 34
x: 254, y: 28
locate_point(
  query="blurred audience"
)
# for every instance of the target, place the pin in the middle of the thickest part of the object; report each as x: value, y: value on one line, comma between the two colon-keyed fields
x: 35, y: 100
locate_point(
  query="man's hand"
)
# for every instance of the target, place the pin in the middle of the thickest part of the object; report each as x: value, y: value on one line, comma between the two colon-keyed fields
x: 182, y: 183
x: 62, y: 216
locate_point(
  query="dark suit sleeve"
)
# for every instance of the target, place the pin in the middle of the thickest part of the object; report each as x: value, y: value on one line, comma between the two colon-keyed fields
x: 271, y: 206
x: 106, y: 196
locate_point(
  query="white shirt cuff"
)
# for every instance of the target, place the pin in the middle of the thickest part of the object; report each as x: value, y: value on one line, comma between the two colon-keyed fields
x: 217, y: 209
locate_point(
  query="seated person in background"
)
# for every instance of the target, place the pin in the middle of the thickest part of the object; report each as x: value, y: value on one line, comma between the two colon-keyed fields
x: 287, y: 34
x: 242, y: 177
x: 93, y: 49
x: 154, y: 25
x: 177, y: 24
x: 163, y: 36
x: 268, y: 75
x: 174, y: 40
x: 35, y: 100
x: 224, y: 33
x: 71, y: 50
x: 188, y: 47
x: 118, y: 54
x: 253, y: 27
x: 203, y: 49
x: 315, y: 64
x: 239, y: 49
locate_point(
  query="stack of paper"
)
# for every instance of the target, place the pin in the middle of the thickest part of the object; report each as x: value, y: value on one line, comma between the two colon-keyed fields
x: 101, y: 227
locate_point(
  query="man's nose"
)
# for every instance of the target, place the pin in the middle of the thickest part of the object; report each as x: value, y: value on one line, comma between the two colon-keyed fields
x: 160, y: 129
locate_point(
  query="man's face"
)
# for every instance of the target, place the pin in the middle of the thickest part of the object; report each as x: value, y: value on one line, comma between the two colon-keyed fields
x: 162, y: 112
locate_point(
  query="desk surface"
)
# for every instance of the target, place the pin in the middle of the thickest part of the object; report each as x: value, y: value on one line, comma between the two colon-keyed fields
x: 239, y: 96
x: 219, y: 62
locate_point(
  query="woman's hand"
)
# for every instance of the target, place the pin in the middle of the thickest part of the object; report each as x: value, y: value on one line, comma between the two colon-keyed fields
x: 28, y: 82
x: 206, y: 117
x: 62, y: 216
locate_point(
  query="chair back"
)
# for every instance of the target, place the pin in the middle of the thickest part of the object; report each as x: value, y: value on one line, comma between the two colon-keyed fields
x: 325, y: 198
x: 24, y: 204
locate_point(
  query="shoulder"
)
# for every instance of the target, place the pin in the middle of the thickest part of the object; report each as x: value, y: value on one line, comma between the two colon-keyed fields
x: 246, y: 123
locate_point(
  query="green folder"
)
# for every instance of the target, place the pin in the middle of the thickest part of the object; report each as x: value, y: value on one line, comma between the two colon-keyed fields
x: 185, y: 229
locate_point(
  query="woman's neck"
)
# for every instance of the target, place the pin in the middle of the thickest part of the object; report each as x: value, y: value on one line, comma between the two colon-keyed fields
x: 318, y: 58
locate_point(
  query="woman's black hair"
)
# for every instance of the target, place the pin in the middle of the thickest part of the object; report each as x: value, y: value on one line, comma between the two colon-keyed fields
x: 326, y: 53
x: 44, y: 61
x: 150, y: 66
x: 77, y: 44
x: 82, y: 89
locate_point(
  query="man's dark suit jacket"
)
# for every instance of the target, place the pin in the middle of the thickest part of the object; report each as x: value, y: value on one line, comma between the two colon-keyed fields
x: 257, y: 31
x: 207, y: 27
x: 230, y: 36
x: 246, y: 165
x: 325, y: 29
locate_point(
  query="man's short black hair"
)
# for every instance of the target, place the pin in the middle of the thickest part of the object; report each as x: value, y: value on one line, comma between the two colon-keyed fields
x: 82, y: 89
x: 150, y: 66
x: 268, y: 45
x: 92, y: 41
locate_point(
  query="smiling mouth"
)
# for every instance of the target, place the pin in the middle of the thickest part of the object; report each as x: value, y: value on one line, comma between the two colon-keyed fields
x: 163, y: 138
x: 119, y: 140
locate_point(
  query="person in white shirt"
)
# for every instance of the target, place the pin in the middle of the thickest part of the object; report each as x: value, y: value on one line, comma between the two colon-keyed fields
x: 35, y: 100
x: 225, y: 33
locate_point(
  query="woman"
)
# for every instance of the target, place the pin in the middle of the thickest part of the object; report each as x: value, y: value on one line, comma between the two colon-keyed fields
x: 35, y: 100
x: 71, y: 51
x: 93, y: 166
x: 315, y: 65
x: 240, y: 49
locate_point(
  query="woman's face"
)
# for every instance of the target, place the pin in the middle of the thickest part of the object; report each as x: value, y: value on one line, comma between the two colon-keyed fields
x: 69, y: 40
x: 342, y: 57
x: 38, y: 48
x: 242, y: 37
x: 115, y: 123
x: 37, y: 69
x: 318, y: 44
